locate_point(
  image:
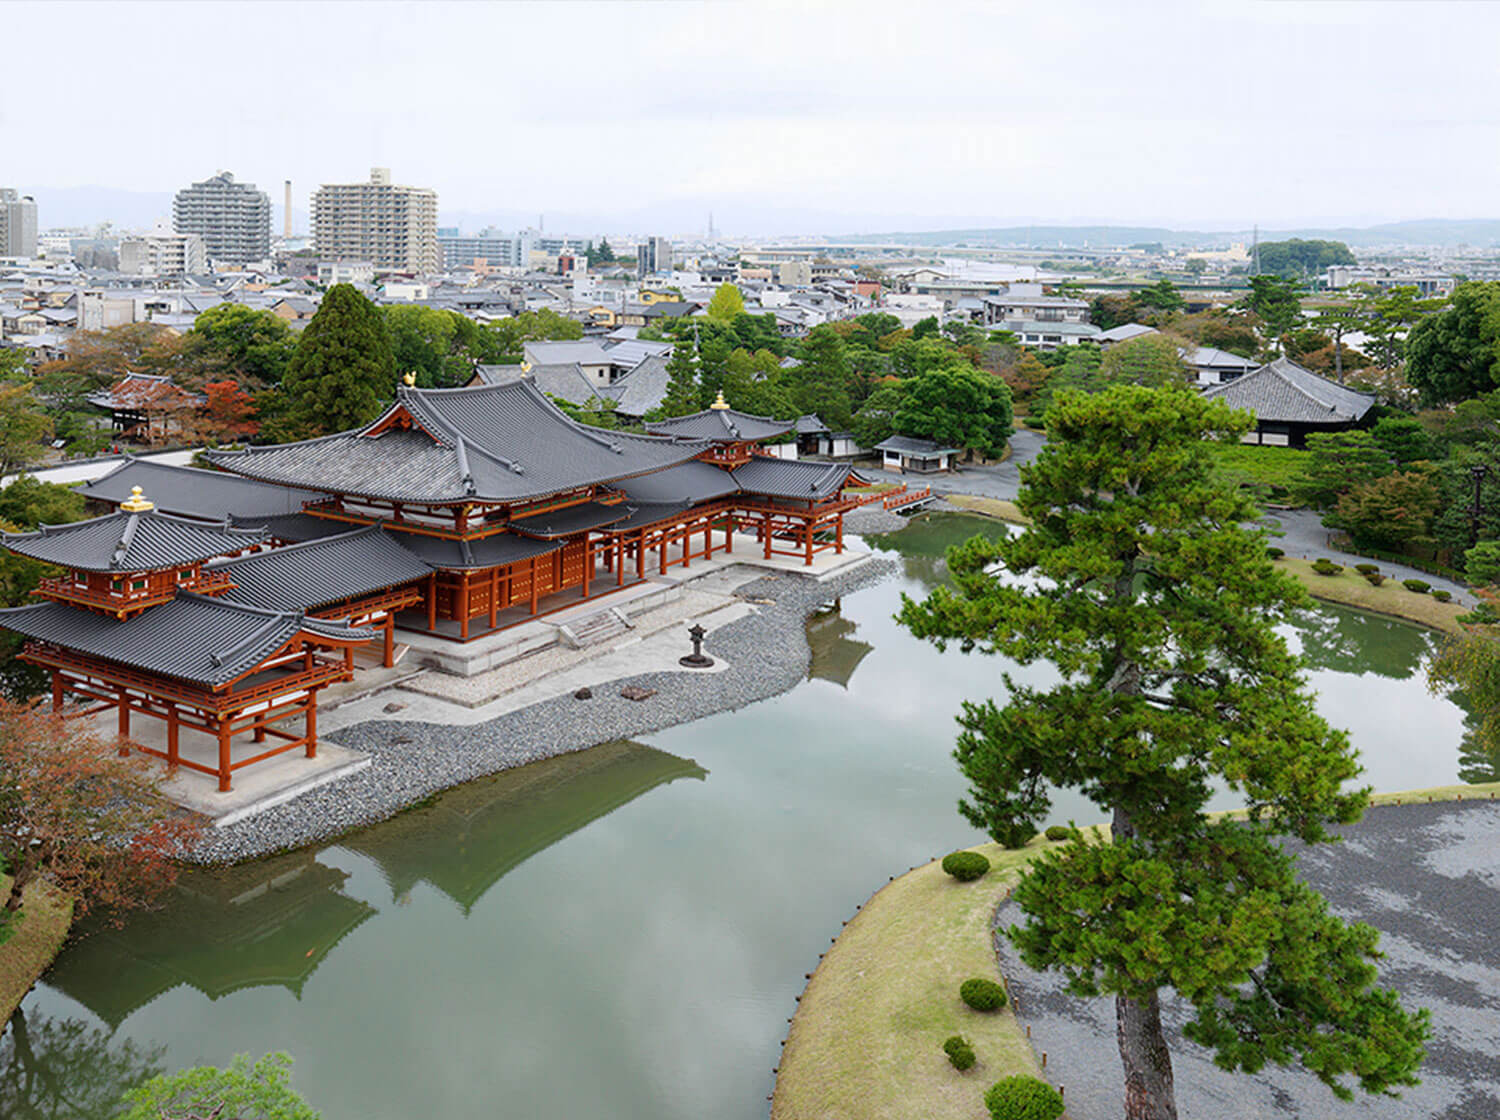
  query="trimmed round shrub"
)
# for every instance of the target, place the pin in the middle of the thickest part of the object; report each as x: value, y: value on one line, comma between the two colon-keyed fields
x: 1374, y: 579
x: 982, y: 995
x: 1275, y: 553
x: 965, y: 866
x: 1326, y: 567
x: 1420, y: 586
x: 1023, y: 1098
x: 959, y: 1052
x: 1441, y: 595
x: 1059, y: 832
x: 1366, y: 569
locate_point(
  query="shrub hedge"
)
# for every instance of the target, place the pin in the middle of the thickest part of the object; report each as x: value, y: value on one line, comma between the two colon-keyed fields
x: 982, y: 995
x: 1366, y: 569
x: 1326, y: 567
x: 1375, y: 579
x: 1420, y: 586
x: 959, y: 1052
x: 1059, y: 832
x: 966, y: 866
x: 1275, y: 553
x: 1441, y: 595
x: 1023, y: 1098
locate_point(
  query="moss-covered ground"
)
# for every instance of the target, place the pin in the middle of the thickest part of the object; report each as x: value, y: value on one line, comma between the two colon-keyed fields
x: 38, y: 937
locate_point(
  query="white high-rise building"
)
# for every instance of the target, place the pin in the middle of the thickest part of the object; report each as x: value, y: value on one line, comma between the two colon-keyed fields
x: 17, y: 224
x: 393, y: 227
x: 163, y: 254
x: 655, y: 255
x: 234, y: 219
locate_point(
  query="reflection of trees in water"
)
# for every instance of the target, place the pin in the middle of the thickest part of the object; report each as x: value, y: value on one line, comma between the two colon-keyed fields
x: 924, y: 543
x: 1348, y: 641
x: 63, y: 1069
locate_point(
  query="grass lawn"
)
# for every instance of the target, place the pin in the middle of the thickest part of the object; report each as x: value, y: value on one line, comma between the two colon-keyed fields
x: 37, y: 939
x: 1238, y: 463
x: 990, y: 507
x: 1390, y: 598
x: 867, y: 1040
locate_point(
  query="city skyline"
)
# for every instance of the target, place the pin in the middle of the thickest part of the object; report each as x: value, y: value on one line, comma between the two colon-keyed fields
x: 802, y: 120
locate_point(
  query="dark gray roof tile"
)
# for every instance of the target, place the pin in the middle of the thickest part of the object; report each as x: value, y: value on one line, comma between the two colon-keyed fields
x: 194, y: 492
x: 791, y: 478
x: 318, y: 572
x: 1283, y: 392
x: 131, y: 542
x: 722, y: 425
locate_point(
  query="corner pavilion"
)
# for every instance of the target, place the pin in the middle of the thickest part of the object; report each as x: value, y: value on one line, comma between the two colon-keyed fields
x: 456, y: 513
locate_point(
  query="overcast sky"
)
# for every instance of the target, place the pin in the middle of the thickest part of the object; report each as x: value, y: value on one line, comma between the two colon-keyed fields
x: 778, y: 117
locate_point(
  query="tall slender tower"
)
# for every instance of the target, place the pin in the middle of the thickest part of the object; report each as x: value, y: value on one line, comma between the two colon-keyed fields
x: 1255, y: 251
x: 287, y: 208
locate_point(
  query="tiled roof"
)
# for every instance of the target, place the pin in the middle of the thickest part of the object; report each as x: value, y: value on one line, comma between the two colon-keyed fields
x: 791, y: 478
x: 193, y: 492
x: 502, y: 443
x: 130, y: 542
x: 568, y: 520
x: 723, y: 425
x: 909, y: 445
x: 295, y: 527
x: 1282, y: 392
x: 317, y: 572
x: 194, y: 638
x: 690, y: 483
x: 447, y: 554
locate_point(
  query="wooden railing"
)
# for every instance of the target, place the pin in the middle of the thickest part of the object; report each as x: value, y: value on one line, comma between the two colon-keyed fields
x: 904, y: 497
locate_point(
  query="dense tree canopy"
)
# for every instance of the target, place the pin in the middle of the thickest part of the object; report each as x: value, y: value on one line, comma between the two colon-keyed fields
x: 343, y: 368
x: 1159, y: 611
x: 955, y: 406
x: 1276, y: 300
x: 238, y: 343
x: 725, y: 304
x: 1455, y: 354
x: 1302, y: 259
x: 244, y: 1091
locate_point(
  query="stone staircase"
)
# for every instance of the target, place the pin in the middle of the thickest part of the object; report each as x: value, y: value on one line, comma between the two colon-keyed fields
x: 595, y: 629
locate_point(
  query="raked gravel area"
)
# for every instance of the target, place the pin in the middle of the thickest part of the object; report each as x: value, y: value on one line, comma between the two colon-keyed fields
x: 1425, y: 876
x: 766, y: 649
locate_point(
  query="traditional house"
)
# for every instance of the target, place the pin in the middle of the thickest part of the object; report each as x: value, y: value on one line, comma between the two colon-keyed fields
x: 815, y: 438
x: 1290, y: 403
x: 146, y: 408
x: 904, y: 453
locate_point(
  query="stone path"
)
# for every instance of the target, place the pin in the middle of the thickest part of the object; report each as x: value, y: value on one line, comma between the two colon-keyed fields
x: 1426, y: 877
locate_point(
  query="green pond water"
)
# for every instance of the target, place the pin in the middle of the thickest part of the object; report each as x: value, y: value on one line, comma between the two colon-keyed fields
x: 617, y: 933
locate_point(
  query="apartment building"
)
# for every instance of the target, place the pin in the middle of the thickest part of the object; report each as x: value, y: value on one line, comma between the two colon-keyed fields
x: 163, y: 254
x: 17, y: 224
x: 655, y: 255
x: 494, y: 248
x: 393, y: 227
x: 233, y: 219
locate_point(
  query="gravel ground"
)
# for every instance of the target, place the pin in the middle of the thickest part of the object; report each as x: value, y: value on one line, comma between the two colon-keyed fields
x: 1426, y: 877
x: 412, y: 760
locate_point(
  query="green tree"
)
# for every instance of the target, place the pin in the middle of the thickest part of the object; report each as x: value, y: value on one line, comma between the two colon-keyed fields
x: 956, y: 406
x: 1161, y: 296
x: 510, y: 336
x: 725, y: 304
x: 1482, y: 563
x: 439, y: 346
x: 876, y: 419
x: 602, y: 253
x: 1389, y: 512
x: 1276, y: 300
x: 12, y: 364
x: 1404, y: 439
x: 1468, y: 670
x: 1303, y: 260
x: 237, y: 342
x: 1455, y: 354
x: 1340, y: 461
x: 682, y: 397
x: 1151, y: 359
x: 25, y: 430
x: 1159, y: 611
x: 262, y: 1091
x: 343, y: 368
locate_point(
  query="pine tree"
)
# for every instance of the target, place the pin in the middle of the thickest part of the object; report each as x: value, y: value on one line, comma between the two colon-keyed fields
x: 343, y: 369
x: 682, y: 382
x: 1159, y: 611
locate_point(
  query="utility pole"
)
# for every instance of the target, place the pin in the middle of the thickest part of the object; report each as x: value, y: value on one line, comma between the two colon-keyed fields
x: 1477, y: 471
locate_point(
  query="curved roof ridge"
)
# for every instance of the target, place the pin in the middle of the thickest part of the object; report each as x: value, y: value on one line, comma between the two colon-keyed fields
x: 280, y: 550
x: 1281, y: 365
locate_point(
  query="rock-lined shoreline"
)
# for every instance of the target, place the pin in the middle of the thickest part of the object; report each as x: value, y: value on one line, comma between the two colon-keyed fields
x: 411, y: 761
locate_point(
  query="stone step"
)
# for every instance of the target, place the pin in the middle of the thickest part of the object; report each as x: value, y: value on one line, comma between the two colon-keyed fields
x: 595, y: 629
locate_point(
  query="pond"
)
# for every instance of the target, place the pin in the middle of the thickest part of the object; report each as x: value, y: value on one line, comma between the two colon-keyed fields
x: 620, y: 932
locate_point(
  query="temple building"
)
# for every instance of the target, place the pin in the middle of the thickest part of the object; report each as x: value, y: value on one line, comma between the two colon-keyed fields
x: 455, y: 514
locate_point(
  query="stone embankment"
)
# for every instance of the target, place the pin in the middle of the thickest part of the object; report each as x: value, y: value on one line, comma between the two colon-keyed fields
x: 766, y: 654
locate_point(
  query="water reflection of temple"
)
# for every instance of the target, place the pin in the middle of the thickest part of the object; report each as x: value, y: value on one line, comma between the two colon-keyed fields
x: 472, y: 835
x: 269, y: 922
x: 273, y: 922
x: 835, y: 655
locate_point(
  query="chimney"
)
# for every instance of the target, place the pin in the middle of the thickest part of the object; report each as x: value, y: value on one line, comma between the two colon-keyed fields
x: 288, y: 210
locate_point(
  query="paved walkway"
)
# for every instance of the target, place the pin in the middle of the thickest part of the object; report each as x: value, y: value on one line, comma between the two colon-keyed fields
x: 1425, y: 876
x: 1301, y: 532
x: 1003, y: 480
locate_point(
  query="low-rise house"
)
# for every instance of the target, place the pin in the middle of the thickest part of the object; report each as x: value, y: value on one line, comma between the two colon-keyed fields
x: 1211, y: 366
x: 1290, y: 403
x: 1123, y: 333
x: 923, y: 456
x: 815, y: 438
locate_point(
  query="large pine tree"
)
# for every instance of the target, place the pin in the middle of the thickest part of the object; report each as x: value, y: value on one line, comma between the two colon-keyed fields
x: 1158, y: 610
x: 343, y: 369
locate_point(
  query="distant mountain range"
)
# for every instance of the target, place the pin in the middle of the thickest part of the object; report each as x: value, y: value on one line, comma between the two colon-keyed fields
x: 88, y: 206
x: 1440, y: 232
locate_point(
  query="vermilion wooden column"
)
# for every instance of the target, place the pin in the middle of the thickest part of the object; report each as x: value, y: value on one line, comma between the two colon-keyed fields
x: 432, y: 602
x: 463, y: 606
x: 640, y: 555
x: 807, y: 532
x: 171, y: 738
x: 588, y: 565
x: 619, y: 560
x: 311, y: 724
x: 124, y: 725
x: 57, y: 691
x: 766, y: 529
x: 223, y: 758
x: 494, y: 595
x: 389, y: 658
x: 838, y: 536
x: 534, y: 585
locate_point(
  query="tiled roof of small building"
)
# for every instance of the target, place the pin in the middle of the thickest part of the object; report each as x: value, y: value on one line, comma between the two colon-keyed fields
x: 910, y: 445
x: 791, y: 478
x: 1284, y: 392
x: 194, y: 492
x: 195, y: 638
x: 131, y: 542
x: 722, y: 425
